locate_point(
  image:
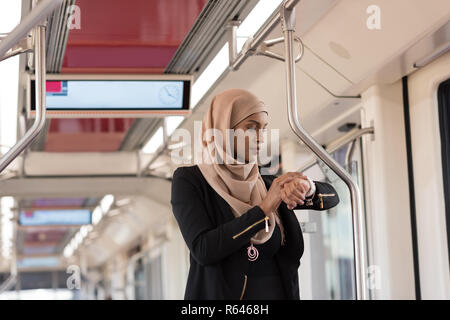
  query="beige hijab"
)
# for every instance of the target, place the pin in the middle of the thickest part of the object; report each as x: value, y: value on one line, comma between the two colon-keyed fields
x: 239, y: 184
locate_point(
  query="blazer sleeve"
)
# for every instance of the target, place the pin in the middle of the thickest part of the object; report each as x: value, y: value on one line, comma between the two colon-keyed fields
x: 207, y: 243
x: 324, y: 198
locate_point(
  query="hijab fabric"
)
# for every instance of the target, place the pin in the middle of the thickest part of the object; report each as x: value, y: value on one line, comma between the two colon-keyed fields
x: 239, y: 184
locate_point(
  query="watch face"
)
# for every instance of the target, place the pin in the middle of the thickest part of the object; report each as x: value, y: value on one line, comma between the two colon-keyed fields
x: 169, y: 94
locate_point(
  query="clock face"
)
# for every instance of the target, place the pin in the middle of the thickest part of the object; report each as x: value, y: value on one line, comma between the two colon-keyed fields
x: 169, y: 94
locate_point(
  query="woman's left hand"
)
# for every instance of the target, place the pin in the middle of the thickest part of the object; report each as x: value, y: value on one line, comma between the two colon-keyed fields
x: 294, y: 192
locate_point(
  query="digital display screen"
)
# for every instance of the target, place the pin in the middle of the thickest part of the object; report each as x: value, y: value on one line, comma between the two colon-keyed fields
x: 55, y: 217
x: 41, y: 250
x: 114, y: 95
x: 38, y: 262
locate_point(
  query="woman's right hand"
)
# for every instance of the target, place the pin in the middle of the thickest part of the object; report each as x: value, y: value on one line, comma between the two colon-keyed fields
x: 274, y: 195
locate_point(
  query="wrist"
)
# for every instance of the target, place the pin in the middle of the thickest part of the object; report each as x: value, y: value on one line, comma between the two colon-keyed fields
x: 312, y: 187
x: 265, y: 208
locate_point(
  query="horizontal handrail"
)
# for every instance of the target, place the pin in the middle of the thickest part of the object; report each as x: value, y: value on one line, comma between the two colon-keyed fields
x: 37, y: 15
x: 333, y: 146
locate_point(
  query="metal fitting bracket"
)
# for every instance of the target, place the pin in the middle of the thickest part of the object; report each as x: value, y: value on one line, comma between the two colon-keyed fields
x: 264, y: 51
x: 23, y: 46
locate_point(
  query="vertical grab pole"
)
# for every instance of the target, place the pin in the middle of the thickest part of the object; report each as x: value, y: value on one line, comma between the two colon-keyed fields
x: 288, y: 26
x: 39, y: 55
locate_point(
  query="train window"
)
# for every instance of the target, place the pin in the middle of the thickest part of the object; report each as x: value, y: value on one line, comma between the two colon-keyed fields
x: 154, y: 278
x: 139, y: 281
x: 148, y: 278
x: 444, y: 124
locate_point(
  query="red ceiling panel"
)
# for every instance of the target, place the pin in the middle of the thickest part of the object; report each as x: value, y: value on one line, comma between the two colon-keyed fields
x: 44, y: 235
x: 58, y: 202
x: 84, y: 135
x: 138, y: 35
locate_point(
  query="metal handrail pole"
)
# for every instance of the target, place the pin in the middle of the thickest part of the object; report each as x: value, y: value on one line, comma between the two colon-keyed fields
x: 333, y: 146
x: 261, y: 35
x: 288, y: 27
x: 8, y: 283
x: 38, y: 14
x: 39, y: 54
x: 349, y: 156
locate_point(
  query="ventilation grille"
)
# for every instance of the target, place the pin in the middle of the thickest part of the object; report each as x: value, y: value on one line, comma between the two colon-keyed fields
x: 208, y: 30
x: 57, y: 35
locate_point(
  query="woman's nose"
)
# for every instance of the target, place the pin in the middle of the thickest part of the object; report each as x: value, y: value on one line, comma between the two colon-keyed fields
x: 260, y: 137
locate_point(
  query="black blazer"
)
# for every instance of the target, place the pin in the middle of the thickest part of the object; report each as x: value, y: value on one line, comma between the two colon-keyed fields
x: 218, y: 241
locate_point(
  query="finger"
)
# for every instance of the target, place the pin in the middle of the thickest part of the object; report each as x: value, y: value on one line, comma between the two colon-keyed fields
x: 291, y: 188
x: 293, y: 192
x: 286, y: 199
x: 295, y: 174
x: 292, y: 206
x: 282, y: 180
x: 292, y: 175
x: 283, y: 195
x: 299, y: 185
x: 296, y: 189
x: 292, y: 197
x: 290, y: 200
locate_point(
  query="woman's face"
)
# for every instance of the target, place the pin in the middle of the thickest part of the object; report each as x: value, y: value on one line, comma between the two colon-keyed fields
x: 247, y: 145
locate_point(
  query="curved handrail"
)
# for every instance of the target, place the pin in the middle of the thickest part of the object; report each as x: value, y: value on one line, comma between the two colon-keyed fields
x: 37, y: 15
x: 39, y: 121
x: 36, y: 19
x: 288, y: 26
x: 332, y: 147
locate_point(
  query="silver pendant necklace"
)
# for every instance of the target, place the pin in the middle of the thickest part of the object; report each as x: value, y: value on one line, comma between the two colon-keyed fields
x: 252, y: 252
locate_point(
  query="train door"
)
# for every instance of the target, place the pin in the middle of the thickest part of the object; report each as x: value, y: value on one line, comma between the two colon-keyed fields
x: 428, y: 90
x: 444, y: 125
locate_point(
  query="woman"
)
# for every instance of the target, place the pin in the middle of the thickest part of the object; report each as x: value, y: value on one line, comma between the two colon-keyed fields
x: 244, y: 239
